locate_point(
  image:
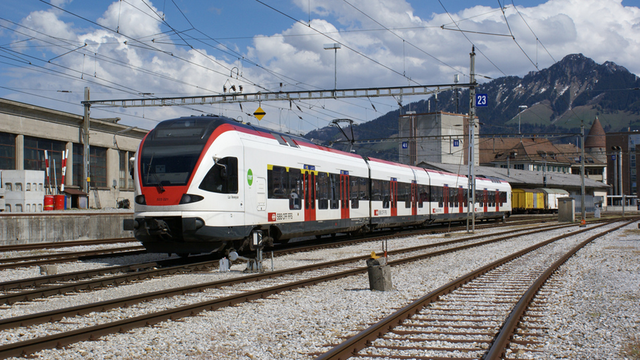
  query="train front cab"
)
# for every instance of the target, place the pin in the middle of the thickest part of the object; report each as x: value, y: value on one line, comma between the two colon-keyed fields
x: 187, y: 183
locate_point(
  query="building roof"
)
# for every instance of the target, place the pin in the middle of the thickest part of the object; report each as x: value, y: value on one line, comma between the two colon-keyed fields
x: 597, y: 138
x: 523, y: 178
x: 521, y: 149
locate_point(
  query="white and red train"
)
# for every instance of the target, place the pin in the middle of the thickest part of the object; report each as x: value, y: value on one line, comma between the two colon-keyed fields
x: 207, y: 183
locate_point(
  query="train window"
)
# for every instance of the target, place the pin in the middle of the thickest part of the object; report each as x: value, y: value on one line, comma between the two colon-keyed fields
x: 222, y: 177
x: 323, y: 191
x: 355, y: 191
x: 334, y: 191
x: 376, y: 190
x: 453, y: 197
x: 386, y: 194
x: 423, y: 195
x: 436, y: 195
x: 480, y: 197
x: 295, y: 184
x: 364, y: 189
x: 404, y: 194
x: 278, y: 183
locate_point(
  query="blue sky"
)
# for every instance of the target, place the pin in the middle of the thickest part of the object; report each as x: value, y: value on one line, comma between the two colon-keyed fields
x: 51, y: 49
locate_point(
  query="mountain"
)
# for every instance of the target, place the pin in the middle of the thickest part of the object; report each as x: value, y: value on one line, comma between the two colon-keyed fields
x: 558, y: 99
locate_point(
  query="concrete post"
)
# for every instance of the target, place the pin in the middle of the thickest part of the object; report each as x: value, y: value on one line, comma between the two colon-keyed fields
x: 379, y: 274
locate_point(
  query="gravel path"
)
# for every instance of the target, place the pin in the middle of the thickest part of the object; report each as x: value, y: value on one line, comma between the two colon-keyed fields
x: 596, y: 312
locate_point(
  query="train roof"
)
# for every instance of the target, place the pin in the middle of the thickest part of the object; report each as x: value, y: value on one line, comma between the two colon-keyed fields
x: 528, y: 179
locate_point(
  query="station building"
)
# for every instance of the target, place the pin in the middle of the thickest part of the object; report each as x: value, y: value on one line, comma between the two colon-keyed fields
x: 26, y: 131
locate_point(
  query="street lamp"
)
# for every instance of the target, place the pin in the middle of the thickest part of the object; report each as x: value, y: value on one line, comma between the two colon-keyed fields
x: 521, y: 107
x: 334, y: 47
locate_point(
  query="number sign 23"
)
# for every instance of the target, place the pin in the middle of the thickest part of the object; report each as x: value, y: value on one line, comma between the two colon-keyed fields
x: 481, y: 100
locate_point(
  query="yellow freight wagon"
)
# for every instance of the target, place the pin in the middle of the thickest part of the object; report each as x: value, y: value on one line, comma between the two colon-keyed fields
x: 527, y: 200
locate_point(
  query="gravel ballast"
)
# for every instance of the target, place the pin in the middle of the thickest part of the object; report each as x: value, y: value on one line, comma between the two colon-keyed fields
x: 593, y: 311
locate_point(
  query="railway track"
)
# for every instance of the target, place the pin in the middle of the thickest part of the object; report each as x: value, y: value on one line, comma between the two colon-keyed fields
x: 39, y: 287
x: 472, y: 317
x: 240, y: 295
x: 63, y: 244
x: 45, y: 259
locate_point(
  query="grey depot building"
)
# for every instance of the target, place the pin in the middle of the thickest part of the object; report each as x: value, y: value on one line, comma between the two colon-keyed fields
x: 27, y: 131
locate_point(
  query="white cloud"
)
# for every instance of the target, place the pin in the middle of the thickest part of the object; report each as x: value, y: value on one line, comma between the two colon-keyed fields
x: 417, y: 46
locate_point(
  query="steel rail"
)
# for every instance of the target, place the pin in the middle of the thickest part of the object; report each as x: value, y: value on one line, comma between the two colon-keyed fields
x: 61, y: 244
x: 353, y: 345
x: 151, y: 273
x: 501, y: 341
x: 25, y: 261
x: 30, y: 346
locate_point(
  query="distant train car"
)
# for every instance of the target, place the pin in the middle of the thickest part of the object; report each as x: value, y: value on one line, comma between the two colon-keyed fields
x: 527, y: 200
x: 541, y: 200
x: 209, y: 183
x: 551, y: 198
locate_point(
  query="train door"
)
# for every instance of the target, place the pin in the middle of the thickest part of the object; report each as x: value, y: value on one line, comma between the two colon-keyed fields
x: 497, y: 200
x: 414, y: 198
x: 309, y: 180
x: 460, y: 199
x: 345, y: 192
x: 485, y: 199
x: 393, y: 193
x: 445, y: 195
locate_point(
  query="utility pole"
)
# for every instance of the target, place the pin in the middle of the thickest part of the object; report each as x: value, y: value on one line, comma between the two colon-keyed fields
x: 334, y: 47
x: 584, y: 217
x: 85, y: 140
x: 471, y: 211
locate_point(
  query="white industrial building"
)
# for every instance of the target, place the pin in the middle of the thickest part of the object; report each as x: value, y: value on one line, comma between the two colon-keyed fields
x: 26, y: 131
x: 436, y: 138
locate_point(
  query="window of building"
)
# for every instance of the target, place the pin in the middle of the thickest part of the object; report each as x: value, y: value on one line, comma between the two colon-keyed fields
x: 98, y: 166
x: 34, y: 149
x: 77, y: 177
x: 7, y: 151
x: 126, y: 180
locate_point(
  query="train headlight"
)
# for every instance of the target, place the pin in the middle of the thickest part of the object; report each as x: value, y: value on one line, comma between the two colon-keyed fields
x: 187, y: 199
x: 141, y: 200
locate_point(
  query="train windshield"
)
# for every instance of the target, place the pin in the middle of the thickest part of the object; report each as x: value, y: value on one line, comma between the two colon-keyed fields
x: 170, y: 152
